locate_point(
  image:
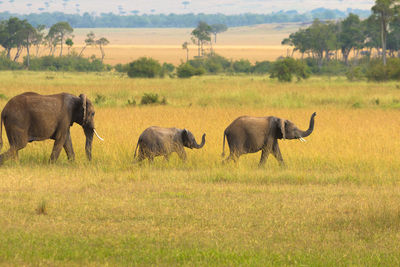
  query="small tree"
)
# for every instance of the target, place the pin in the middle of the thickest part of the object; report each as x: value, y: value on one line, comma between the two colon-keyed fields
x: 89, y: 41
x: 186, y: 47
x: 201, y: 35
x: 69, y: 43
x: 218, y: 28
x: 59, y: 31
x: 101, y: 43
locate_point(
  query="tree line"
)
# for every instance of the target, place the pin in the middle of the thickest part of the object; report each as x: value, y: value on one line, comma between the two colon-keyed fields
x: 110, y: 20
x: 379, y: 33
x: 20, y: 35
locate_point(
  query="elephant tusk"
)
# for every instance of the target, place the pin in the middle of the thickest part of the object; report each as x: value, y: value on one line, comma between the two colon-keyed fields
x: 302, y: 139
x: 94, y: 130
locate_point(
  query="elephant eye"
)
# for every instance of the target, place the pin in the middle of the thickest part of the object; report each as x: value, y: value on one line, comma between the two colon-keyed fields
x: 93, y: 113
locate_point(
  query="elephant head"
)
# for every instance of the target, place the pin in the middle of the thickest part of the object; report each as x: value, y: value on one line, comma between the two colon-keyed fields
x: 88, y: 124
x: 288, y: 130
x: 189, y: 141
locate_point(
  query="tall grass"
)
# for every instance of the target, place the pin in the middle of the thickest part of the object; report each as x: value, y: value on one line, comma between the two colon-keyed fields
x: 336, y: 203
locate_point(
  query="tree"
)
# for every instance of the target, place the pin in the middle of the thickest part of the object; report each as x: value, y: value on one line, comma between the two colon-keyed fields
x: 385, y: 11
x: 69, y: 43
x: 39, y: 37
x: 218, y: 28
x: 350, y: 35
x: 101, y: 43
x: 10, y: 36
x: 28, y: 36
x: 59, y: 31
x: 89, y: 41
x: 201, y: 35
x: 185, y: 46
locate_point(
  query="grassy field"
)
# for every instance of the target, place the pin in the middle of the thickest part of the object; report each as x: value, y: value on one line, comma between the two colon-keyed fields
x: 336, y: 203
x: 255, y: 43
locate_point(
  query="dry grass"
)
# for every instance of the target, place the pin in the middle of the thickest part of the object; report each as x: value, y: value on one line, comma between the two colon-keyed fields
x: 335, y: 204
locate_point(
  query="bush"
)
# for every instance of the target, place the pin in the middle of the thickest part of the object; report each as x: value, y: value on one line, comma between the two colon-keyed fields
x: 355, y: 74
x: 144, y: 68
x: 262, y: 67
x: 242, y: 65
x: 285, y: 68
x: 149, y: 98
x: 211, y: 63
x: 121, y: 67
x: 186, y: 70
x: 376, y: 71
x: 8, y: 64
x: 65, y: 63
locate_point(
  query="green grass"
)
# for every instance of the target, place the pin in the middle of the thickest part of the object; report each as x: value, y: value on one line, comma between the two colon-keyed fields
x: 335, y: 204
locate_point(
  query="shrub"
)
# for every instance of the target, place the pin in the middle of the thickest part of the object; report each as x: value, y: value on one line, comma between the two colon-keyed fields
x: 186, y: 70
x: 150, y: 98
x: 8, y: 64
x: 242, y: 65
x: 285, y: 68
x: 355, y: 74
x: 65, y: 63
x: 262, y: 67
x: 121, y: 67
x: 376, y: 71
x: 144, y: 68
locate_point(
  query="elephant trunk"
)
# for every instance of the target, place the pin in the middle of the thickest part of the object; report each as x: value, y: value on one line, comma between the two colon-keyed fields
x: 203, y: 141
x: 310, y: 128
x: 89, y: 139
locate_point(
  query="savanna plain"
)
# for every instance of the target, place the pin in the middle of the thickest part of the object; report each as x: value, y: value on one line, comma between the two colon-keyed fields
x: 335, y: 204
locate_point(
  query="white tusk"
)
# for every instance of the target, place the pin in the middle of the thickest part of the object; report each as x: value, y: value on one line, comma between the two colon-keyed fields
x: 94, y: 130
x: 302, y: 139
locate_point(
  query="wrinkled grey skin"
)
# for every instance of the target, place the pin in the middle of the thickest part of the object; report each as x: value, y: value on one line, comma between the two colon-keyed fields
x: 32, y: 117
x: 156, y: 141
x: 251, y: 134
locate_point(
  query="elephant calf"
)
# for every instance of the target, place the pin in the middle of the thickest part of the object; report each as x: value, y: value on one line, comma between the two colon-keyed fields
x: 251, y: 134
x: 157, y: 141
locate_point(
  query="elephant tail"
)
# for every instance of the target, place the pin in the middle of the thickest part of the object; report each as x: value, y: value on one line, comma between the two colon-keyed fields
x: 223, y: 146
x: 1, y: 132
x: 134, y: 156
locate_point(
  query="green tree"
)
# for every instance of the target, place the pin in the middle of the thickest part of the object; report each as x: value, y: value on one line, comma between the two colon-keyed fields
x: 101, y: 43
x: 350, y: 35
x: 218, y: 28
x: 89, y: 41
x: 285, y: 68
x: 385, y: 11
x: 69, y: 43
x: 58, y: 32
x: 186, y: 47
x: 201, y: 35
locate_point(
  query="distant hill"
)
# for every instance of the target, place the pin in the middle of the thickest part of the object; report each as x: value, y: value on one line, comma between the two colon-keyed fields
x: 111, y: 20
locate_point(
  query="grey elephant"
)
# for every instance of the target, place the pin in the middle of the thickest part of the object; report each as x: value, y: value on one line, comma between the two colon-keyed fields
x: 32, y: 117
x: 251, y: 134
x: 156, y: 141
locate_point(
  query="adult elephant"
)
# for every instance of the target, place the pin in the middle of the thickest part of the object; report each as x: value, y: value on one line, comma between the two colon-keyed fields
x: 32, y: 117
x: 251, y: 134
x: 158, y: 141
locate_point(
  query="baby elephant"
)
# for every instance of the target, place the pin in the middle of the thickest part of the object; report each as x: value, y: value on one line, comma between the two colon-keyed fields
x: 157, y: 141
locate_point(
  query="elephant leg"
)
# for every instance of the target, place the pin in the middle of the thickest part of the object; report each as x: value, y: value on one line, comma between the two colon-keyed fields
x: 264, y: 157
x: 181, y: 153
x: 18, y: 140
x: 232, y: 156
x: 277, y: 153
x: 58, y: 145
x: 68, y: 147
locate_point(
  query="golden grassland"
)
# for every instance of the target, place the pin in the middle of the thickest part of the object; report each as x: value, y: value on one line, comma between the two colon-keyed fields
x: 336, y: 202
x: 255, y: 43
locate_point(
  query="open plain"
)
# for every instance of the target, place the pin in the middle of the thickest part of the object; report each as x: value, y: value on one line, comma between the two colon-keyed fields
x: 335, y: 204
x: 255, y: 43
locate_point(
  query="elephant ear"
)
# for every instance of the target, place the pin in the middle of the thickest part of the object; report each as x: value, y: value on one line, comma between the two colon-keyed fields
x: 281, y: 126
x: 83, y: 98
x: 185, y: 137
